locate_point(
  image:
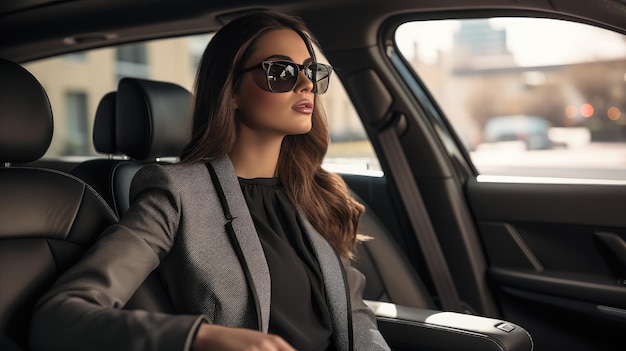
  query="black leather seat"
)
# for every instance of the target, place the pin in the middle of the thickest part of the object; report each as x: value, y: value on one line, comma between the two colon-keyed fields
x: 47, y: 218
x: 99, y: 172
x: 152, y: 121
x: 389, y: 274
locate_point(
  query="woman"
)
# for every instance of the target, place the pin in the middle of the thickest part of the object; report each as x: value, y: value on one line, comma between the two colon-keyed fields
x: 248, y: 200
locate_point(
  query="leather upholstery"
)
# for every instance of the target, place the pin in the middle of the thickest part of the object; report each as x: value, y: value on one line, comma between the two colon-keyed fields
x: 152, y: 119
x: 98, y: 172
x: 25, y: 115
x: 48, y: 217
x: 144, y: 120
x: 388, y: 271
x: 407, y: 328
x: 160, y: 115
x: 104, y: 125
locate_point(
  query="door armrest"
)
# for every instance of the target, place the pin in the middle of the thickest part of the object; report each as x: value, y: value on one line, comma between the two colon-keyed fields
x: 408, y: 328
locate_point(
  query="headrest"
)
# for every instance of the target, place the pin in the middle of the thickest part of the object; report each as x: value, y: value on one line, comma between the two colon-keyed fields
x: 153, y: 119
x: 25, y: 115
x: 104, y: 125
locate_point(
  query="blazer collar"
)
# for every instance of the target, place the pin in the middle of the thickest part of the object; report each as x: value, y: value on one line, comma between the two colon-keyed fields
x: 247, y: 238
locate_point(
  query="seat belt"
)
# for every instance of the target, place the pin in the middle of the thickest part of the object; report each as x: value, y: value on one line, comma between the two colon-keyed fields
x: 420, y: 221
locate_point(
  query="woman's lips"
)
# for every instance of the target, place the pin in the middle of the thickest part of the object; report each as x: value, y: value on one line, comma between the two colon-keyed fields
x: 304, y: 106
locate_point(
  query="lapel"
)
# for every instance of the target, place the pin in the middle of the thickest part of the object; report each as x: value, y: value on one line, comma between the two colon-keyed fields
x: 247, y: 239
x: 334, y: 283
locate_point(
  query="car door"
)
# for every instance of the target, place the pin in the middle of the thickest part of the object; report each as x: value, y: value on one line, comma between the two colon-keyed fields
x: 532, y: 235
x: 550, y: 222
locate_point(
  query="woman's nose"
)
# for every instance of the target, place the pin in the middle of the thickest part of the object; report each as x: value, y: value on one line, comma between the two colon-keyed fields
x: 303, y: 83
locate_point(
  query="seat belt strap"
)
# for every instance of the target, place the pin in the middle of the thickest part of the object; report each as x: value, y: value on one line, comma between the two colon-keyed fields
x: 420, y: 221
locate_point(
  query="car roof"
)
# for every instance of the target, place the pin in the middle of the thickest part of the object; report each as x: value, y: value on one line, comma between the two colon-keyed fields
x: 33, y: 29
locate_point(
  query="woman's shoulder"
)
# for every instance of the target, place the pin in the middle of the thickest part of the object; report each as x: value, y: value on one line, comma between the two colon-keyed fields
x: 175, y: 174
x: 178, y: 168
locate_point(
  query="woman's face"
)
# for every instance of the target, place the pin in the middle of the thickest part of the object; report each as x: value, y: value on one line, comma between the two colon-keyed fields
x: 269, y: 114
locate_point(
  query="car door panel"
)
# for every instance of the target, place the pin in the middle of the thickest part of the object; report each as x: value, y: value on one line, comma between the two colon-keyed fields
x: 564, y: 254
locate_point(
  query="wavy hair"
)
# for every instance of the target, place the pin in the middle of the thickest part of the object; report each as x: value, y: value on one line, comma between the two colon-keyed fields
x: 322, y: 196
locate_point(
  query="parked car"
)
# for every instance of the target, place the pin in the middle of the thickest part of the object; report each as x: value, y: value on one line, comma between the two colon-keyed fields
x: 541, y: 253
x: 531, y: 131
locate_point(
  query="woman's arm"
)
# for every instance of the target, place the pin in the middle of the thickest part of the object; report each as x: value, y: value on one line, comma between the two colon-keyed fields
x: 83, y: 309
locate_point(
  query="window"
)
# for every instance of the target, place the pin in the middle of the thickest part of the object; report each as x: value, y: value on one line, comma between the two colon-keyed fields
x: 350, y: 150
x: 76, y: 141
x: 132, y: 60
x: 133, y: 53
x: 173, y: 60
x: 527, y: 96
x: 78, y: 57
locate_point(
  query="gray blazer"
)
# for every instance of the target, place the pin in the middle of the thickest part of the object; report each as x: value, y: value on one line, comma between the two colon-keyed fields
x: 177, y: 223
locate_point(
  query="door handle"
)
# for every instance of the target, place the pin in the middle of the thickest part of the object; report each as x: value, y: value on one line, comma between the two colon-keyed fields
x: 614, y: 244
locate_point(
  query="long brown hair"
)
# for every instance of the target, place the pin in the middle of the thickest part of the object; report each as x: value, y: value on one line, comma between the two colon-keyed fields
x: 323, y: 196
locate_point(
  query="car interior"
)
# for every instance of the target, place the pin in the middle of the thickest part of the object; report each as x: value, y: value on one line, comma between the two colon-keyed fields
x: 455, y: 263
x: 84, y: 213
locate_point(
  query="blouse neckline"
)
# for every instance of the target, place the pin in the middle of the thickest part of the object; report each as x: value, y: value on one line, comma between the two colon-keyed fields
x: 272, y: 181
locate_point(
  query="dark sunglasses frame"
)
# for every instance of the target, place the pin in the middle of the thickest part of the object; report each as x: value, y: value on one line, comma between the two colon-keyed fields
x: 265, y: 66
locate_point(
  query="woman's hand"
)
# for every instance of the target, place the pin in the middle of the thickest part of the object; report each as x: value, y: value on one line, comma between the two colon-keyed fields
x: 218, y: 338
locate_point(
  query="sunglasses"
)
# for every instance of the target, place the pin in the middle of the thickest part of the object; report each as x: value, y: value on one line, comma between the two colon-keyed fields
x: 282, y: 76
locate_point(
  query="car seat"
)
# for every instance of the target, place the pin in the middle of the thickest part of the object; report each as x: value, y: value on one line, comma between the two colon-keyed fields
x: 146, y: 121
x: 98, y: 172
x: 48, y: 218
x: 389, y: 274
x: 151, y: 121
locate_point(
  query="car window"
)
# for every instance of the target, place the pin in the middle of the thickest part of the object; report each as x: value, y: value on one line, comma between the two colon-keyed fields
x: 76, y: 82
x: 527, y: 97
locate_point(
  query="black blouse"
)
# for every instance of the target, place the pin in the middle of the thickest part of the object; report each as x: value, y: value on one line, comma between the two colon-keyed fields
x: 298, y: 312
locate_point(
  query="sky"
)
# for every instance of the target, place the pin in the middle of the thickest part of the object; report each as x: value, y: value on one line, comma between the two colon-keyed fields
x: 532, y: 41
